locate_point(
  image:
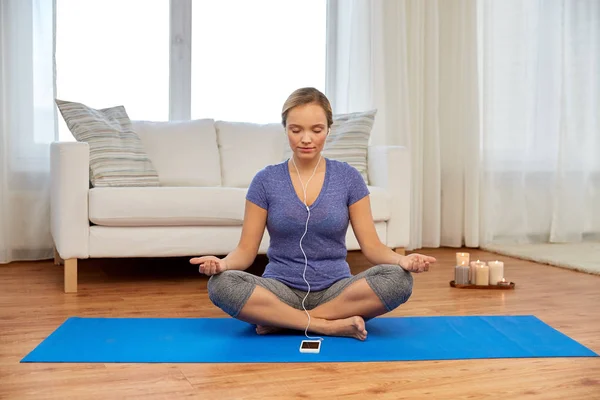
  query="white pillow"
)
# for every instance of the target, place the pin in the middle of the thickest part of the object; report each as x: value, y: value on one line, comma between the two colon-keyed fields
x: 246, y: 148
x: 185, y: 153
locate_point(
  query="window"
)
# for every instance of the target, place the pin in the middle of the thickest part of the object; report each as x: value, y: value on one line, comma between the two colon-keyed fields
x: 248, y: 56
x: 238, y: 61
x: 113, y: 52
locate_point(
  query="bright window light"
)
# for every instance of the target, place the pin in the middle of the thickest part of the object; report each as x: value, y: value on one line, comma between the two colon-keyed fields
x: 113, y: 52
x: 248, y: 56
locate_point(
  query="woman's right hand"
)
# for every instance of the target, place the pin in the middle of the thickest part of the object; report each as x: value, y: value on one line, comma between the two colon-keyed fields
x: 209, y: 265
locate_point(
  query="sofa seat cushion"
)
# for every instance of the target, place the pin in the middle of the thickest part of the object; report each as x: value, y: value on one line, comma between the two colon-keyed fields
x: 187, y: 206
x: 167, y: 206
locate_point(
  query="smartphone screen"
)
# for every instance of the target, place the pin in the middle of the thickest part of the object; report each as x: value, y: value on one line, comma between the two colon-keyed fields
x: 310, y: 345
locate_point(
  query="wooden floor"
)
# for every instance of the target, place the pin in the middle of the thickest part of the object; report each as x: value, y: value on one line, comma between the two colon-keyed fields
x: 32, y: 305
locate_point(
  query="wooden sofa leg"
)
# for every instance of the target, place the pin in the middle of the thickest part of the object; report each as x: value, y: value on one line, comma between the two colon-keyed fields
x: 71, y: 275
x: 57, y: 259
x: 400, y: 250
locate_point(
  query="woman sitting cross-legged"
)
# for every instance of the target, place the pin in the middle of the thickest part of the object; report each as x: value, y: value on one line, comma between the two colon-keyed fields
x: 307, y: 267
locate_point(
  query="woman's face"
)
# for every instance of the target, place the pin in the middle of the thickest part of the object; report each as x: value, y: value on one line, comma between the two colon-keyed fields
x: 307, y: 130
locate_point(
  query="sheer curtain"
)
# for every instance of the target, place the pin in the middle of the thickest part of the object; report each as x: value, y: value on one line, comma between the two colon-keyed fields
x: 498, y: 103
x: 416, y: 62
x: 27, y: 127
x: 540, y: 87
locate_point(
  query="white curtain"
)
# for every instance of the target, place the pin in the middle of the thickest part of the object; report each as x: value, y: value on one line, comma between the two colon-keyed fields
x: 540, y: 63
x: 498, y: 103
x: 27, y: 127
x: 416, y: 62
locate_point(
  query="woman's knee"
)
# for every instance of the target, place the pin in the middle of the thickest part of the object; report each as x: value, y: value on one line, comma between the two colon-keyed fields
x: 229, y: 291
x: 217, y: 286
x: 393, y: 284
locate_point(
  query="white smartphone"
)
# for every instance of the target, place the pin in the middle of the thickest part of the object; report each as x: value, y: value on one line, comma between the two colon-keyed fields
x: 310, y: 346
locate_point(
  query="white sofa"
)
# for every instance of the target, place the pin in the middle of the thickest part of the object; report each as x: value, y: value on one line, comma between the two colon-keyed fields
x: 204, y: 168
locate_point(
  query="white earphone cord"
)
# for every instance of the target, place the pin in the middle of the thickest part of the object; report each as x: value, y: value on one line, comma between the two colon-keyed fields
x: 304, y: 188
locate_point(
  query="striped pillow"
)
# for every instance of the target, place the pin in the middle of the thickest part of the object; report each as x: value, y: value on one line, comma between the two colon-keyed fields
x: 117, y: 156
x: 348, y: 140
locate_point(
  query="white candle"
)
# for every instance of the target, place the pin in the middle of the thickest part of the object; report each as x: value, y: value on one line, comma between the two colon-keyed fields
x: 462, y: 258
x: 473, y: 270
x: 503, y: 282
x: 496, y: 271
x: 482, y: 276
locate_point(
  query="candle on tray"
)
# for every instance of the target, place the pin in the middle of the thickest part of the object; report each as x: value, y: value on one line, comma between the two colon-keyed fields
x: 503, y: 282
x: 461, y: 274
x: 461, y: 270
x: 473, y: 271
x: 496, y: 271
x: 482, y: 274
x: 462, y: 258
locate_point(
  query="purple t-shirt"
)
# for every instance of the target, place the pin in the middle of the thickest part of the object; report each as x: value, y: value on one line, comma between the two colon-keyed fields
x: 325, y: 240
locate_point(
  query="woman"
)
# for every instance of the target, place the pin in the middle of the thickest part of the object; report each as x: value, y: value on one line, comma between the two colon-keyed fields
x: 307, y: 267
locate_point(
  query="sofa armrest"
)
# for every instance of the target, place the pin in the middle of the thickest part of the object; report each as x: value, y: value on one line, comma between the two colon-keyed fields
x: 69, y: 220
x: 390, y: 167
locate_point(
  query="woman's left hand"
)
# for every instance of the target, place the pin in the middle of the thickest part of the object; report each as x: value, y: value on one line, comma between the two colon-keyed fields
x: 416, y: 262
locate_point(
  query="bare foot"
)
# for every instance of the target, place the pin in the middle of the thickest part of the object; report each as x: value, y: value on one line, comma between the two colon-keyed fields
x: 350, y: 327
x: 266, y: 330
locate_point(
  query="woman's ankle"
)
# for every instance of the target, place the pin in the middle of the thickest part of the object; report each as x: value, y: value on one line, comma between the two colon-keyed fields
x: 320, y: 326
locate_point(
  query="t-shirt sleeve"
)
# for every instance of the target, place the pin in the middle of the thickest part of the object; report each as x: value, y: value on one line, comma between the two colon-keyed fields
x: 357, y: 188
x: 257, y: 193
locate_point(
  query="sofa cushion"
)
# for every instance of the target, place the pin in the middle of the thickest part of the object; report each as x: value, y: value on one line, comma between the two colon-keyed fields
x: 117, y: 156
x: 167, y: 206
x: 246, y: 148
x: 187, y: 206
x: 349, y: 139
x: 185, y: 153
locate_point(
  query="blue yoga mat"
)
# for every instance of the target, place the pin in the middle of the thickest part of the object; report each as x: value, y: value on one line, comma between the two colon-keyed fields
x: 226, y: 340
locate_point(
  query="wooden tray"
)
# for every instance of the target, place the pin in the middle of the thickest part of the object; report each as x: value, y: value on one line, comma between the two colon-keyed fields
x: 489, y: 287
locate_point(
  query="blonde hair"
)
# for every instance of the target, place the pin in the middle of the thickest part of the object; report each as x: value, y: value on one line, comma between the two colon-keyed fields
x: 304, y: 96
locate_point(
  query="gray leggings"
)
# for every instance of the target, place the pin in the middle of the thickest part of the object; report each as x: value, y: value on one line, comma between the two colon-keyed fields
x: 230, y: 290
